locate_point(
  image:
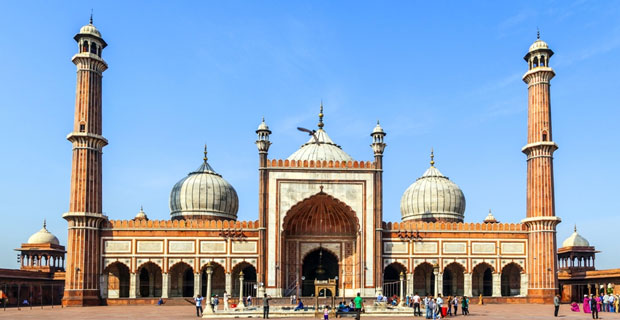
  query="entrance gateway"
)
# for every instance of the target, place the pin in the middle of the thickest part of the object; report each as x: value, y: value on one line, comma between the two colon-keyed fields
x: 320, y: 234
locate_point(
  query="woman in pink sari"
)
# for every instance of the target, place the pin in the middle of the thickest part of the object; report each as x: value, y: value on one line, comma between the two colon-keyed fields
x: 586, y: 304
x: 599, y: 302
x: 574, y: 307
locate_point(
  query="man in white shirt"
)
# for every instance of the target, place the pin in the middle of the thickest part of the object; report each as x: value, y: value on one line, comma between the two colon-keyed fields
x: 225, y: 297
x: 198, y: 301
x: 416, y: 305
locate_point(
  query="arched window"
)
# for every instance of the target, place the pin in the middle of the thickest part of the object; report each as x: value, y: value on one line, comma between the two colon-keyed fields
x: 544, y: 135
x: 535, y: 62
x: 85, y: 46
x: 99, y: 51
x: 542, y: 61
x: 93, y: 48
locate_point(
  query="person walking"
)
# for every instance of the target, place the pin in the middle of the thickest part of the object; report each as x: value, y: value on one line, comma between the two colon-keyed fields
x: 225, y: 297
x: 455, y: 304
x: 427, y: 306
x: 594, y: 308
x: 249, y: 300
x: 449, y: 304
x: 465, y: 306
x: 416, y: 306
x: 266, y: 299
x: 198, y: 301
x: 556, y: 304
x: 359, y: 303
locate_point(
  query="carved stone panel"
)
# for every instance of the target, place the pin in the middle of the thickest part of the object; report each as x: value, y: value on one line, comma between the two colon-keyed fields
x: 395, y: 247
x: 425, y: 247
x: 483, y: 247
x: 150, y: 246
x: 117, y: 246
x: 181, y: 246
x: 212, y: 246
x: 244, y: 247
x: 454, y: 248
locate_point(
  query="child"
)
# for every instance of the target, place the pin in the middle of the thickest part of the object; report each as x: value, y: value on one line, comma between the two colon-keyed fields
x: 326, y: 313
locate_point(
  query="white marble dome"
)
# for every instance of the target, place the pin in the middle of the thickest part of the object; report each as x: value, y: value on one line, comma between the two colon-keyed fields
x: 321, y: 148
x: 204, y: 194
x: 43, y: 237
x: 538, y: 44
x: 575, y: 240
x: 90, y: 29
x: 433, y: 197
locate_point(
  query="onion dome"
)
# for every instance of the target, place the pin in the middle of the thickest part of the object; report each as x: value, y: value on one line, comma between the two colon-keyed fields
x: 90, y: 30
x: 320, y: 146
x: 43, y: 237
x: 490, y: 218
x: 433, y: 197
x: 204, y: 194
x: 141, y: 215
x: 575, y: 240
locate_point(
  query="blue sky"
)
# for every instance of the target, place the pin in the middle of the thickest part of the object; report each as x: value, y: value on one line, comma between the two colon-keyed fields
x: 445, y: 75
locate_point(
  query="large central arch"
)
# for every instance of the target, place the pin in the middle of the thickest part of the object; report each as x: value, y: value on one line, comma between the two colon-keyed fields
x: 319, y: 223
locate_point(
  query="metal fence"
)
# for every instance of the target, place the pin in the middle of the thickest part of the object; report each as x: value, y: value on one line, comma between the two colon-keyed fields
x: 30, y: 295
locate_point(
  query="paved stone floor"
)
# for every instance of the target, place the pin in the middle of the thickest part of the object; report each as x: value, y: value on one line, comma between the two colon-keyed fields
x: 493, y: 311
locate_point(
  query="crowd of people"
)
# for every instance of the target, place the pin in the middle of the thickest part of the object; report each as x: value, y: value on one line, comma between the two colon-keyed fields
x: 594, y: 304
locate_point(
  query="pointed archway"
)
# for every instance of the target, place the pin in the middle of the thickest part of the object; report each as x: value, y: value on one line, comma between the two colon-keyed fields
x: 310, y: 227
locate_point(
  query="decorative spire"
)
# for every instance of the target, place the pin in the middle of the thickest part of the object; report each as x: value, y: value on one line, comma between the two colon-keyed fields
x: 205, y: 157
x: 141, y: 209
x: 45, y: 224
x: 575, y: 227
x: 91, y: 16
x: 432, y: 158
x: 537, y: 33
x: 321, y: 116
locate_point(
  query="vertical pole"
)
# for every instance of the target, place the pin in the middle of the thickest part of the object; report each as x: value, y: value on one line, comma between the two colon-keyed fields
x: 19, y: 296
x: 208, y: 297
x: 241, y: 300
x: 402, y: 289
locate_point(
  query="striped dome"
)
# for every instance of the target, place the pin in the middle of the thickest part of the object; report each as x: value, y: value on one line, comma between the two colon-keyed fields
x: 433, y: 197
x: 203, y: 194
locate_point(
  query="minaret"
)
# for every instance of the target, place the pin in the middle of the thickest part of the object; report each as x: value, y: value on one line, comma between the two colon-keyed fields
x: 378, y: 146
x: 262, y: 143
x: 85, y: 209
x: 540, y: 219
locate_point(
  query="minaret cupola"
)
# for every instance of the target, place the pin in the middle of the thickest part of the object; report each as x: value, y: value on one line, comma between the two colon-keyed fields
x: 89, y: 40
x: 539, y: 54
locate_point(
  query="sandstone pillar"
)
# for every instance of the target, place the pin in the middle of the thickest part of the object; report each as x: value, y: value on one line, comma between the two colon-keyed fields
x: 208, y: 295
x: 467, y: 284
x: 103, y: 286
x: 497, y: 285
x: 133, y: 285
x: 228, y: 286
x: 197, y: 283
x: 165, y: 285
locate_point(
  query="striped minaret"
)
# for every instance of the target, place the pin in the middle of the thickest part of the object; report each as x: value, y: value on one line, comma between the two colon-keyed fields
x: 85, y: 210
x: 540, y: 220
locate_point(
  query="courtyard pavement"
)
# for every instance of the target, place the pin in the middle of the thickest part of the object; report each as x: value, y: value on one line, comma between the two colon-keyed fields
x: 492, y: 311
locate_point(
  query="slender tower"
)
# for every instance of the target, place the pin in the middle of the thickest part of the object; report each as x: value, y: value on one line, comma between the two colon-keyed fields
x: 540, y: 220
x: 262, y: 143
x: 378, y: 146
x: 85, y: 210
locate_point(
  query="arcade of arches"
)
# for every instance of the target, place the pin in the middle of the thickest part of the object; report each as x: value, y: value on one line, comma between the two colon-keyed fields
x: 321, y: 239
x: 454, y: 280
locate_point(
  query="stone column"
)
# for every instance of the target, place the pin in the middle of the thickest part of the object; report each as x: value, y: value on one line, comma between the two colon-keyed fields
x: 402, y: 289
x: 133, y: 285
x: 467, y: 284
x: 241, y: 300
x: 497, y: 285
x: 524, y: 284
x: 197, y: 284
x: 410, y: 287
x: 207, y: 299
x: 103, y: 286
x: 438, y: 283
x: 228, y: 287
x: 165, y: 285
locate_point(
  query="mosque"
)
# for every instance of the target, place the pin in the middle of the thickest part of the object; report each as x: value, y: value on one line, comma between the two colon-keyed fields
x: 319, y: 229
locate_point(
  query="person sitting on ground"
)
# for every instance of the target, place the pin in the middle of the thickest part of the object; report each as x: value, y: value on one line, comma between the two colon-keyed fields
x: 160, y: 301
x: 380, y: 298
x: 574, y: 307
x: 341, y: 306
x: 300, y: 305
x: 352, y: 305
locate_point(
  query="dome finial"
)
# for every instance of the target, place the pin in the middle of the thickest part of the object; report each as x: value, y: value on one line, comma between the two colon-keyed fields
x: 575, y: 227
x: 91, y: 16
x: 321, y: 116
x: 44, y: 223
x: 205, y: 152
x: 432, y: 158
x: 537, y: 33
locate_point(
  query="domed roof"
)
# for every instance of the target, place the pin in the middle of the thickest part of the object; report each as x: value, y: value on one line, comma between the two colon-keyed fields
x: 490, y: 218
x: 320, y: 147
x: 433, y: 197
x: 575, y: 240
x: 538, y: 44
x: 203, y: 194
x: 141, y: 215
x: 263, y: 126
x: 377, y: 129
x: 91, y: 30
x: 43, y: 237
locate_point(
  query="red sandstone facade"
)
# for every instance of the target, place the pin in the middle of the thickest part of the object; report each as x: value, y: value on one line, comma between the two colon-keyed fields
x: 313, y: 215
